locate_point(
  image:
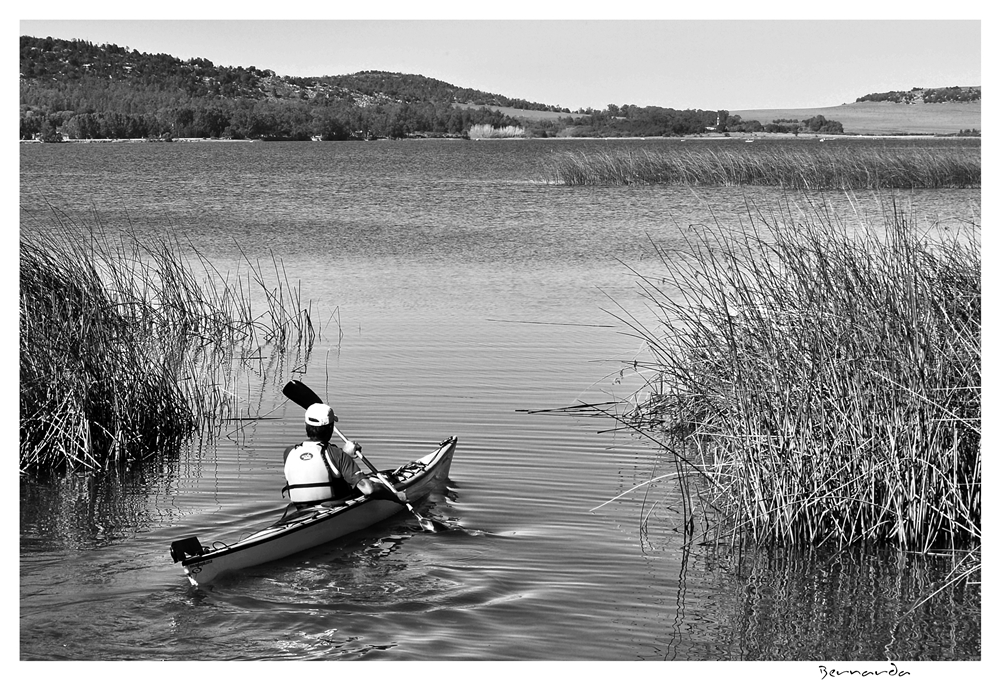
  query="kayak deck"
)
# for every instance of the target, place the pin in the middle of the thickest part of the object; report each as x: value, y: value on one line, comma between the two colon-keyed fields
x: 298, y: 530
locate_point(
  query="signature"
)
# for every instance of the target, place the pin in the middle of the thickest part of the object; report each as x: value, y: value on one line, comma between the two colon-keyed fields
x: 833, y: 672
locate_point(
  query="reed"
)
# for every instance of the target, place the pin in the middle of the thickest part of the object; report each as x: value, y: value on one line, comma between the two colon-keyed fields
x: 125, y: 351
x: 480, y: 131
x: 818, y: 166
x: 819, y: 382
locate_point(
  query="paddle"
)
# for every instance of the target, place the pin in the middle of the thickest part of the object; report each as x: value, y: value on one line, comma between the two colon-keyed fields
x: 301, y: 394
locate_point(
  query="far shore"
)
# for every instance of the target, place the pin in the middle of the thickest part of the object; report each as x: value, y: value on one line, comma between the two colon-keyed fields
x: 141, y: 140
x: 733, y: 136
x: 743, y: 136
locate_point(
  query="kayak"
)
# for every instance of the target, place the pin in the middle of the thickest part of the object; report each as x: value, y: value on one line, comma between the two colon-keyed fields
x: 298, y: 530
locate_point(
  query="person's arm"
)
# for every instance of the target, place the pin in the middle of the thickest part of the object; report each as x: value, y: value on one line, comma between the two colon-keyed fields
x: 348, y: 469
x: 367, y: 485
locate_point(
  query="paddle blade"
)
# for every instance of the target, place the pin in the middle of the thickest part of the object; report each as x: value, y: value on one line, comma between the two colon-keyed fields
x: 300, y: 393
x: 429, y: 525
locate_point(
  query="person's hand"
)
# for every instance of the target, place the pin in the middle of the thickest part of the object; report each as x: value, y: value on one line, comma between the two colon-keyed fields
x: 352, y: 448
x: 400, y: 495
x: 365, y: 486
x: 386, y: 491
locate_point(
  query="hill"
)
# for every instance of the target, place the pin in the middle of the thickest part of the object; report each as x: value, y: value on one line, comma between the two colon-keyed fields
x: 92, y: 91
x: 885, y: 117
x: 52, y: 61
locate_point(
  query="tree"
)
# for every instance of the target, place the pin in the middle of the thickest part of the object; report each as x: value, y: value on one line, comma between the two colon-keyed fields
x: 48, y: 132
x: 212, y: 122
x: 722, y: 116
x: 31, y: 124
x: 183, y: 120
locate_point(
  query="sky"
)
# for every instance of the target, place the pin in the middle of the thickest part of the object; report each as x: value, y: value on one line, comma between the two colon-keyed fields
x: 684, y: 64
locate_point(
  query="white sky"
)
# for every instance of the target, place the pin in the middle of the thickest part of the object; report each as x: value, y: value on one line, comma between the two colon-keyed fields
x: 689, y: 63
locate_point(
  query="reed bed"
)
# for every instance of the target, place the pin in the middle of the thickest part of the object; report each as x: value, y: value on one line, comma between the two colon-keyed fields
x: 489, y: 132
x: 816, y: 167
x: 816, y: 382
x: 125, y: 351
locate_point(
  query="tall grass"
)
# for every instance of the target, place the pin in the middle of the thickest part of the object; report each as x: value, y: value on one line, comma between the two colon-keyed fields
x: 489, y: 132
x: 834, y: 166
x: 816, y: 382
x: 125, y: 351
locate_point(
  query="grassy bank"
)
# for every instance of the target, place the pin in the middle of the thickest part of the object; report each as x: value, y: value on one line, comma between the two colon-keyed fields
x: 815, y: 383
x: 125, y: 351
x: 830, y: 167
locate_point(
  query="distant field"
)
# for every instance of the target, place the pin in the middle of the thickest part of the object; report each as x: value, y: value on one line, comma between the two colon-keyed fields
x: 885, y: 118
x: 860, y: 118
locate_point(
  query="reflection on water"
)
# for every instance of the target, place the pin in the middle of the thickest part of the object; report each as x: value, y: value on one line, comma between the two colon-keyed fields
x: 458, y: 293
x: 80, y: 512
x: 783, y: 605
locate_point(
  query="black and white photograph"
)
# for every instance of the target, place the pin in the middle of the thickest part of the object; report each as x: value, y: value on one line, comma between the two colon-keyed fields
x: 436, y: 336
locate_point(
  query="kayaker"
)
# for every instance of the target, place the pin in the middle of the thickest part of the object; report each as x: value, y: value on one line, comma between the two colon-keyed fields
x: 316, y: 472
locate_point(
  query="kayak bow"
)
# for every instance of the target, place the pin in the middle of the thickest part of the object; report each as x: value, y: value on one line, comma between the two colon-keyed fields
x: 299, y: 530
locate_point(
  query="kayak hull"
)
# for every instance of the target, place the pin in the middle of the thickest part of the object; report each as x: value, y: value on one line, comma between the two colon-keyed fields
x: 298, y: 531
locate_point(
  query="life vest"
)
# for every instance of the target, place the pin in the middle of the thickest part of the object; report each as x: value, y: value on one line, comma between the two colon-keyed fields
x: 310, y: 475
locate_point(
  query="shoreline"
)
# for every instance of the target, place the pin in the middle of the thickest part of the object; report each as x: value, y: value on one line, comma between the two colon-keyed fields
x: 125, y: 140
x: 736, y: 136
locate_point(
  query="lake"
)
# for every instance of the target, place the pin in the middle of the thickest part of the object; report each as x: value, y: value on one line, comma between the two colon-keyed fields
x: 457, y: 293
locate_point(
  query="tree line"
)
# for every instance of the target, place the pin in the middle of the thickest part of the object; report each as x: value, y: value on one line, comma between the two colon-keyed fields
x: 251, y: 119
x: 629, y: 120
x: 818, y: 124
x: 934, y: 95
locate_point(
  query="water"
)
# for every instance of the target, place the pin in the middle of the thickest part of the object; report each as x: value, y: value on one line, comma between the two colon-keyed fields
x: 458, y: 292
